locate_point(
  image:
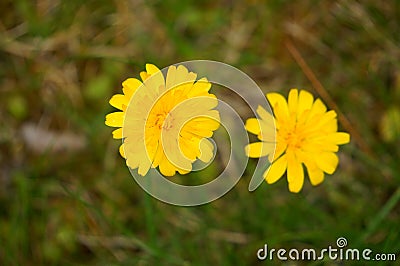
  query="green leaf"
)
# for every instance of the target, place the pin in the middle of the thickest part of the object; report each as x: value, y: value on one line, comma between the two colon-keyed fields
x: 390, y: 124
x: 98, y: 88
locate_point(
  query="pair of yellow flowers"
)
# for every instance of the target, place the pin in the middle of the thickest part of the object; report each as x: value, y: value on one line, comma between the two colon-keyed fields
x: 165, y: 123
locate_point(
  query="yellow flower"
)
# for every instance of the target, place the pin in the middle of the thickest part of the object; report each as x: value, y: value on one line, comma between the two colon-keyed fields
x: 304, y: 133
x: 165, y: 123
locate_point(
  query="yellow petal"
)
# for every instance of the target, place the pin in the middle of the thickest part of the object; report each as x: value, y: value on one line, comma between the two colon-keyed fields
x: 194, y: 107
x: 321, y: 124
x: 144, y: 167
x: 159, y: 155
x: 264, y: 127
x: 195, y: 130
x: 253, y: 126
x: 166, y: 168
x: 183, y: 171
x: 267, y: 134
x: 189, y: 135
x: 187, y: 87
x: 318, y: 108
x: 184, y: 76
x: 282, y: 119
x: 118, y: 100
x: 134, y: 158
x: 115, y: 119
x: 180, y: 78
x: 276, y: 170
x: 137, y: 156
x: 293, y: 100
x: 338, y: 138
x: 315, y: 174
x: 331, y: 126
x: 328, y: 117
x: 122, y: 151
x: 201, y: 87
x: 171, y: 76
x: 305, y: 102
x: 173, y: 154
x: 276, y: 99
x: 320, y: 146
x: 280, y: 148
x: 151, y: 69
x: 117, y: 134
x: 206, y: 123
x: 129, y: 87
x: 327, y: 161
x: 189, y: 148
x: 295, y: 173
x: 259, y: 149
x: 266, y: 117
x: 206, y: 149
x: 156, y: 80
x: 144, y: 75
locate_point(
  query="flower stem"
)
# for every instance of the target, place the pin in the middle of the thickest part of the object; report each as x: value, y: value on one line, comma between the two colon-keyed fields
x: 383, y: 213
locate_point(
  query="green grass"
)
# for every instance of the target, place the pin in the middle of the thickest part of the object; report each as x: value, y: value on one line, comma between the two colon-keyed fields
x: 60, y: 62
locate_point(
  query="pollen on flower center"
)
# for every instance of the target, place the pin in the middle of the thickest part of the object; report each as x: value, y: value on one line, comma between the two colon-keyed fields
x: 164, y: 120
x: 294, y: 138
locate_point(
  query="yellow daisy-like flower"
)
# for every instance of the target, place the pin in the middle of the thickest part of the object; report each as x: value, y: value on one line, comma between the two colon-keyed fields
x: 165, y: 123
x: 302, y: 132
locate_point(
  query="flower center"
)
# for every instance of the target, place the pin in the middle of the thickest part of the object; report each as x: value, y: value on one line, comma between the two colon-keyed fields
x: 294, y: 138
x: 164, y: 120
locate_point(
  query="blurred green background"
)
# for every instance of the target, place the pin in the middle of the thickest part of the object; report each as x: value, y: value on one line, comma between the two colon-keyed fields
x: 66, y: 196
